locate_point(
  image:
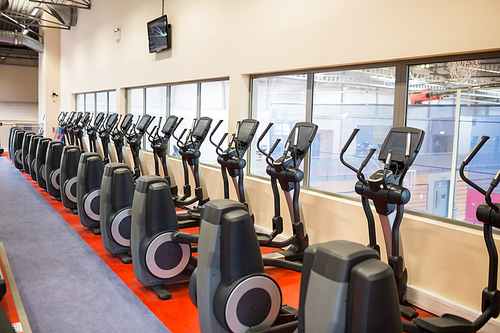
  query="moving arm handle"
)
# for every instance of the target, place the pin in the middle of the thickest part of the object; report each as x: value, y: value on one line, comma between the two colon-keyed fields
x: 269, y: 159
x: 175, y: 129
x: 467, y: 160
x: 153, y: 135
x: 493, y: 185
x: 359, y: 174
x: 218, y: 150
x: 344, y: 149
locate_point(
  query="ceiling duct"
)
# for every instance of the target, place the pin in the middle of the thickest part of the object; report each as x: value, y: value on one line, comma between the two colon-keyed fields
x: 67, y: 15
x: 4, y: 4
x: 17, y: 38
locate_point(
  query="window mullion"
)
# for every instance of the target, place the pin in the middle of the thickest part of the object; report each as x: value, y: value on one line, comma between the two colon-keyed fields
x: 400, y: 95
x: 309, y: 105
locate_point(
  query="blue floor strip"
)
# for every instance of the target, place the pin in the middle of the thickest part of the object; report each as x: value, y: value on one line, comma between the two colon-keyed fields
x: 64, y: 285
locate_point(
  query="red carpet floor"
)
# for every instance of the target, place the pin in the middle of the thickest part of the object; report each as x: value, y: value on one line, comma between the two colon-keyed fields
x: 178, y: 313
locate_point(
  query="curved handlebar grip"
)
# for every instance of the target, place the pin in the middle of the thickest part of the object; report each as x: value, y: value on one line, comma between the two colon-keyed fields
x: 175, y: 129
x: 496, y: 180
x: 269, y: 159
x: 262, y: 137
x: 474, y: 151
x: 494, y: 183
x: 179, y: 143
x: 218, y: 150
x: 359, y: 174
x: 349, y: 141
x: 177, y: 125
x: 274, y: 146
x: 367, y: 158
x: 233, y: 136
x: 213, y: 132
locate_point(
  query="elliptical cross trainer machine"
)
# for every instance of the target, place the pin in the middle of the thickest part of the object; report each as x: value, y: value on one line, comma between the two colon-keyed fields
x: 117, y: 191
x: 232, y: 159
x: 385, y: 189
x: 159, y: 144
x: 285, y: 170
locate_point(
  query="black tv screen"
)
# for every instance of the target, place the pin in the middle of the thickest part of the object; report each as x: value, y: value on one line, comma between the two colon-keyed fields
x: 158, y: 34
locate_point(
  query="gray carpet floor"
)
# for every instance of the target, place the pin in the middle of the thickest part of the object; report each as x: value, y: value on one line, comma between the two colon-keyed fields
x: 63, y: 284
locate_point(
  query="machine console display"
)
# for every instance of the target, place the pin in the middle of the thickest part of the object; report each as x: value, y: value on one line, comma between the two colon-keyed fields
x: 111, y: 120
x: 61, y: 116
x: 202, y: 128
x: 145, y: 120
x: 396, y: 141
x: 307, y: 132
x: 99, y: 118
x: 169, y: 125
x: 127, y: 121
x: 69, y: 118
x: 77, y: 118
x: 85, y: 118
x: 247, y: 130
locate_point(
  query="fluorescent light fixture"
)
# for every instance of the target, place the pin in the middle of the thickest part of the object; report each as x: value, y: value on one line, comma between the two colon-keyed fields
x: 25, y: 31
x: 35, y: 11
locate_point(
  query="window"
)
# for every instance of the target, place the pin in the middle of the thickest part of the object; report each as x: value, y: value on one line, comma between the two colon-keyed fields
x: 188, y: 101
x: 282, y: 101
x: 436, y: 95
x: 90, y: 103
x: 104, y: 101
x: 80, y: 102
x: 214, y: 104
x: 454, y: 112
x: 342, y: 101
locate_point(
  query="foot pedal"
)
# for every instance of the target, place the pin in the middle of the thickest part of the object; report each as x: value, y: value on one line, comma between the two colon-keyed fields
x: 162, y: 293
x: 407, y: 312
x: 126, y: 259
x: 96, y: 230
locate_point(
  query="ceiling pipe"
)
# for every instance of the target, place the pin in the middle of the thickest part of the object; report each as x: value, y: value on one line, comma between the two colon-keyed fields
x: 67, y: 15
x: 17, y: 38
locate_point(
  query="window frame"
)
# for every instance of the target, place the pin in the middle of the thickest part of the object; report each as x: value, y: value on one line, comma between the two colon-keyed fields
x: 401, y: 89
x: 94, y: 93
x: 169, y: 103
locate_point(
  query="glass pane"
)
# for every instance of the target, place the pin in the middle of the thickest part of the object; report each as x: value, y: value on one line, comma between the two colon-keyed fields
x: 183, y: 102
x: 102, y: 102
x: 440, y: 94
x: 80, y: 102
x: 90, y: 102
x: 281, y: 100
x: 214, y: 104
x: 156, y: 105
x: 112, y: 101
x: 343, y: 101
x: 135, y: 102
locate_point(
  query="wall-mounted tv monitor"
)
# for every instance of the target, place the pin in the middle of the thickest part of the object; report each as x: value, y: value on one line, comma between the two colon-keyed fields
x: 159, y: 34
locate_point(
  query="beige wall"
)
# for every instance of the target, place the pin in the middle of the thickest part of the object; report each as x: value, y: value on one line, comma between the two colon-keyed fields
x: 18, y: 97
x: 18, y: 84
x: 220, y: 38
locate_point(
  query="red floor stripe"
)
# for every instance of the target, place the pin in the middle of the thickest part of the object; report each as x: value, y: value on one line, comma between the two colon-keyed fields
x: 7, y: 302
